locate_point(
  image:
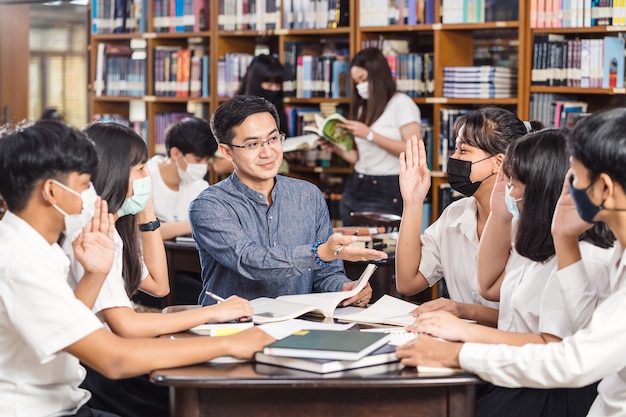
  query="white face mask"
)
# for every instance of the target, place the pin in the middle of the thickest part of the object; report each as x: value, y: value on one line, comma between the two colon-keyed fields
x: 194, y: 172
x: 511, y: 203
x: 74, y: 223
x: 363, y: 90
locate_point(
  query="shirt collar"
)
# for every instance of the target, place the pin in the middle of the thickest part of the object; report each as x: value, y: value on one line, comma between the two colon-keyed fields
x: 253, y: 194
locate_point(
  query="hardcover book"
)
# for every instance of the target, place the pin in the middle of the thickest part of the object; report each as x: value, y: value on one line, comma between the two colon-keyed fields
x: 327, y: 344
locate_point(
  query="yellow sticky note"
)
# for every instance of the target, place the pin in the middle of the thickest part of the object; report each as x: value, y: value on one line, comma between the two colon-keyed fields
x: 225, y: 331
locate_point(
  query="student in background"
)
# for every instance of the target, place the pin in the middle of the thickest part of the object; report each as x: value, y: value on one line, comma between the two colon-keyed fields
x: 520, y: 275
x: 45, y: 173
x: 260, y: 234
x: 122, y: 178
x: 179, y: 177
x: 383, y: 120
x: 448, y: 247
x: 594, y: 192
x: 263, y: 78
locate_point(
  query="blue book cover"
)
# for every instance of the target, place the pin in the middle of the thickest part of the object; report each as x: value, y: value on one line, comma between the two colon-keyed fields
x: 341, y: 81
x: 205, y: 76
x: 613, y: 65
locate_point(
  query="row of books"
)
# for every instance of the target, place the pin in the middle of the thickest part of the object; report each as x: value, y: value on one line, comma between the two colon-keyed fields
x: 120, y: 71
x: 248, y: 14
x: 181, y: 15
x: 180, y: 72
x: 577, y: 13
x: 478, y: 11
x: 231, y: 69
x: 447, y: 142
x: 118, y: 16
x: 139, y: 126
x: 316, y: 14
x: 484, y: 81
x: 396, y: 12
x: 555, y: 110
x: 589, y: 63
x: 161, y: 122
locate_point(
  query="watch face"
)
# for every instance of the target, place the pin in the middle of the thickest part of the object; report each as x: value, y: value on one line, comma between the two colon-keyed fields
x: 370, y: 136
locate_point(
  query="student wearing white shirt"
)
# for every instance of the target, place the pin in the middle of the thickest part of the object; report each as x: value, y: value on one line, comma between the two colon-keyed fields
x: 596, y: 191
x: 448, y: 247
x: 45, y: 174
x: 383, y: 120
x: 179, y: 177
x: 517, y: 272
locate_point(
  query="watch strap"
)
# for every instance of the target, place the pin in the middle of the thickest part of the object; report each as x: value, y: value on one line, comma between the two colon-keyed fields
x: 150, y: 226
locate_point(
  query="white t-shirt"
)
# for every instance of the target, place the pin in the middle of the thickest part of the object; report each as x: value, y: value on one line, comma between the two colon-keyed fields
x: 39, y: 317
x: 526, y: 291
x: 449, y: 248
x: 374, y: 160
x: 171, y: 205
x: 595, y: 352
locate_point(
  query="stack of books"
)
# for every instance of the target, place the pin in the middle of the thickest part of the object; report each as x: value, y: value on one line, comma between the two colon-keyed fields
x: 329, y: 351
x: 485, y: 81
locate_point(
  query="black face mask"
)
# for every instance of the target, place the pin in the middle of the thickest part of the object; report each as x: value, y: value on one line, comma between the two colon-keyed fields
x: 459, y: 176
x: 271, y: 95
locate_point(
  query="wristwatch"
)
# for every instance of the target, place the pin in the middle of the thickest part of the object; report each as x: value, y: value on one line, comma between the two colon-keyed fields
x: 370, y: 136
x: 150, y: 226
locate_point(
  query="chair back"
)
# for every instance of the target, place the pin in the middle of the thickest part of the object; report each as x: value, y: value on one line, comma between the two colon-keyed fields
x: 391, y: 222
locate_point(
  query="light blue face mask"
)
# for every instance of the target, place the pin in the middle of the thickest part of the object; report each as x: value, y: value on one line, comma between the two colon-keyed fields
x: 511, y: 203
x: 134, y: 204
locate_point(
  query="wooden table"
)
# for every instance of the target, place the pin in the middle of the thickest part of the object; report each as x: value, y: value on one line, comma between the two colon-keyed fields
x: 241, y: 390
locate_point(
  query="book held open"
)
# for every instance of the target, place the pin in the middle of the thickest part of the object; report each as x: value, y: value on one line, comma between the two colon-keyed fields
x: 327, y: 129
x: 287, y: 307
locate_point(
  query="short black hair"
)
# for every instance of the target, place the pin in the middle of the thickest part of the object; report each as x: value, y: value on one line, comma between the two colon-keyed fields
x: 191, y: 135
x: 598, y: 141
x: 45, y: 149
x: 489, y: 128
x: 235, y: 111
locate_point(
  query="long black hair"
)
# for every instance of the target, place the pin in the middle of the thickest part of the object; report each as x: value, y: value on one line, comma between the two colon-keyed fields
x: 119, y: 149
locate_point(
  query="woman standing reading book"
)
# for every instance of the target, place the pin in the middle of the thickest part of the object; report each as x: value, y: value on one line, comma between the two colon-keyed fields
x: 383, y: 120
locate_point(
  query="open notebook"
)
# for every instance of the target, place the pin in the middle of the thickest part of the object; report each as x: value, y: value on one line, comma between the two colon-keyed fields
x: 287, y: 307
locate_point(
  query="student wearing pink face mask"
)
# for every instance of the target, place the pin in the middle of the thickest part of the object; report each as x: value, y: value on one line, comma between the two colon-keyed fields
x: 179, y: 177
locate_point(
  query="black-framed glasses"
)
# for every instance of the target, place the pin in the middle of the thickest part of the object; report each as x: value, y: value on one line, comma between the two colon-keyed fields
x: 258, y: 144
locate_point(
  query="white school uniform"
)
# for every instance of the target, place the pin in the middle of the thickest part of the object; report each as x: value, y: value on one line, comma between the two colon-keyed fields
x: 449, y: 248
x: 171, y: 205
x: 593, y: 353
x: 39, y: 317
x: 529, y: 303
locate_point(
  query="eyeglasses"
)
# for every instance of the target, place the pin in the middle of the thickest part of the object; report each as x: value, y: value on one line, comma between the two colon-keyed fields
x: 256, y: 145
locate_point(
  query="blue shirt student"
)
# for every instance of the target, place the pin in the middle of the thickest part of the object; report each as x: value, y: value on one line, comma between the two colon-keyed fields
x: 251, y: 249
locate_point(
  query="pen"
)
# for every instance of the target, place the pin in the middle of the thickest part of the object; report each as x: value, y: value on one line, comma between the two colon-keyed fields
x: 338, y: 250
x: 215, y: 297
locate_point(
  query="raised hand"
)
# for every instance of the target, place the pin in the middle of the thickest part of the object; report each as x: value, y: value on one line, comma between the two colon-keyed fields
x: 414, y: 172
x: 566, y: 223
x: 94, y: 247
x: 497, y: 203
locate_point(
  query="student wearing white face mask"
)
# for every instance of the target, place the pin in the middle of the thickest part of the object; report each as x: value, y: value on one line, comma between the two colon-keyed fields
x: 122, y: 179
x: 179, y: 177
x: 383, y: 120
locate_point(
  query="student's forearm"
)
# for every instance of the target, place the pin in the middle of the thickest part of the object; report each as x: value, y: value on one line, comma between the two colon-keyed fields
x: 157, y: 283
x: 409, y: 280
x: 493, y: 253
x: 486, y: 316
x: 567, y: 251
x: 169, y: 230
x: 88, y: 288
x: 489, y: 335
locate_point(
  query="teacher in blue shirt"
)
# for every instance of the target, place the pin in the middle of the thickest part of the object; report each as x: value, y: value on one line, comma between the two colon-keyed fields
x: 263, y: 235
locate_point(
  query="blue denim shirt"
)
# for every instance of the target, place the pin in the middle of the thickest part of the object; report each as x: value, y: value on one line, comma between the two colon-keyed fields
x: 254, y: 250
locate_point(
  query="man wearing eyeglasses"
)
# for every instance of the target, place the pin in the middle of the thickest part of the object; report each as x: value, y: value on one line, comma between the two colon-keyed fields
x: 260, y: 234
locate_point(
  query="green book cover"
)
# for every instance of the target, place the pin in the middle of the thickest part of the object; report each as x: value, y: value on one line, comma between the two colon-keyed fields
x: 328, y: 130
x: 327, y: 344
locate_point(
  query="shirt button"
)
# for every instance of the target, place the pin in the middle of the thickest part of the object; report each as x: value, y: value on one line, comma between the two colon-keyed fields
x: 260, y: 196
x: 271, y: 218
x: 375, y: 182
x: 274, y: 244
x: 360, y: 175
x: 308, y: 269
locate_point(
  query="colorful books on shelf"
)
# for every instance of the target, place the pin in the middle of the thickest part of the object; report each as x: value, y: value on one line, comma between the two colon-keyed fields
x: 327, y: 344
x: 556, y: 110
x: 328, y: 129
x: 384, y: 354
x: 161, y: 122
x: 230, y: 70
x: 299, y: 14
x: 396, y: 12
x: 479, y: 82
x: 248, y: 15
x: 285, y: 307
x: 118, y: 16
x: 181, y: 15
x: 613, y: 62
x: 180, y: 72
x: 119, y: 71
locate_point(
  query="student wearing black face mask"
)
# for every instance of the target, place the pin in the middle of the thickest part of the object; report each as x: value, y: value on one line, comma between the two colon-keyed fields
x: 448, y: 247
x: 264, y: 78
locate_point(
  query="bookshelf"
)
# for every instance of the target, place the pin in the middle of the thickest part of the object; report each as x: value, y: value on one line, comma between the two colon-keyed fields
x: 239, y: 28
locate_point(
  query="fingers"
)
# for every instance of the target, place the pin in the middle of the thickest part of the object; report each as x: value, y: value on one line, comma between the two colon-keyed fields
x: 96, y: 220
